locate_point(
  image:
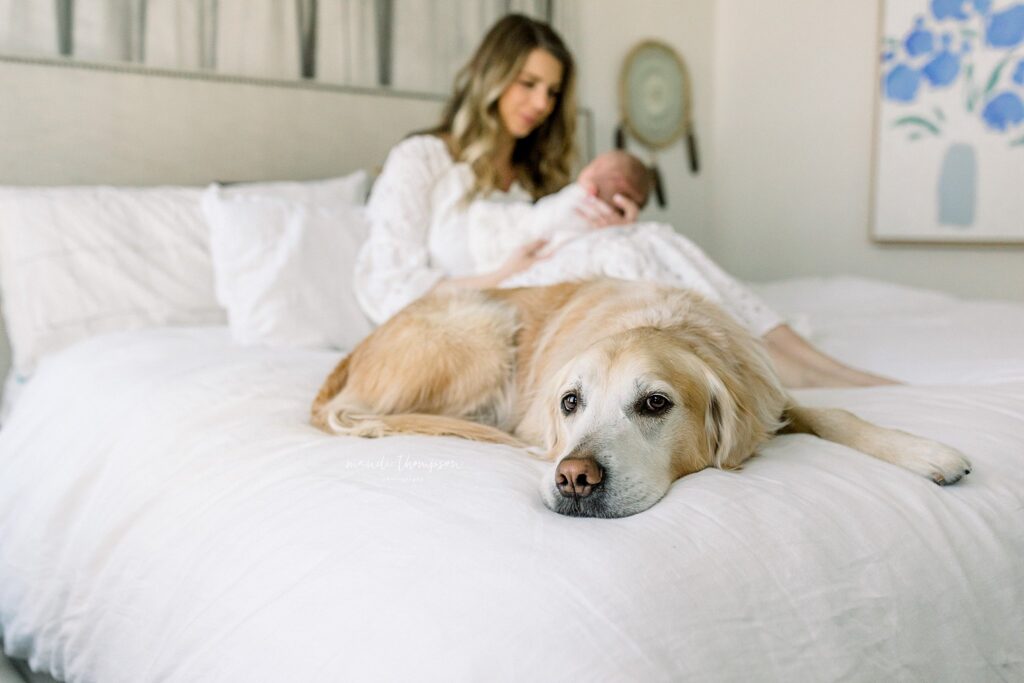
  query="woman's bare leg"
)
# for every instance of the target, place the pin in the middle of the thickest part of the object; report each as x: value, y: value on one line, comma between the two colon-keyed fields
x: 800, y: 365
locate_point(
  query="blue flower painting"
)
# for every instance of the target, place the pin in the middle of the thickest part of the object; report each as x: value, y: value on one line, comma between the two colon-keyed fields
x: 1006, y: 28
x: 940, y: 50
x: 950, y: 160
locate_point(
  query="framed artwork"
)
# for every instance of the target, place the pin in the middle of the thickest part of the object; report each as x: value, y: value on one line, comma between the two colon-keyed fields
x: 949, y: 123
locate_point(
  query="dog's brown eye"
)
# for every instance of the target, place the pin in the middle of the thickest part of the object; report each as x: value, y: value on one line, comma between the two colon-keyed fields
x: 656, y: 403
x: 569, y: 403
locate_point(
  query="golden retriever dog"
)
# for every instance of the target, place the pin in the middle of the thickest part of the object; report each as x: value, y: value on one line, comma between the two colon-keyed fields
x: 625, y: 387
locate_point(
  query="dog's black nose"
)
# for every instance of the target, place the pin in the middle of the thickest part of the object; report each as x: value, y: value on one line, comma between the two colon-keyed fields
x: 578, y: 477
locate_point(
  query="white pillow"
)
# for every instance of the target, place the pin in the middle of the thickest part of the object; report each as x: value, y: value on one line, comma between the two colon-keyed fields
x: 349, y: 190
x: 79, y: 261
x: 283, y: 269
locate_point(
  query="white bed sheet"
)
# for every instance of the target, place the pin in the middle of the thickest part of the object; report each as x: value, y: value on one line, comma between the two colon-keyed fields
x: 166, y: 514
x: 916, y: 335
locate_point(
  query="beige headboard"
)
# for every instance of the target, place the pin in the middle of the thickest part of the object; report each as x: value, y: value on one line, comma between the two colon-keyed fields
x: 73, y: 123
x: 69, y: 123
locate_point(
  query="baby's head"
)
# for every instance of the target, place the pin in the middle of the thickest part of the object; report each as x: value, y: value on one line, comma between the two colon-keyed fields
x: 617, y: 172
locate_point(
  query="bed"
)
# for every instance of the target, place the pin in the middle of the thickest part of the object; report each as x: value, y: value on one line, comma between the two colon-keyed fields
x: 168, y: 514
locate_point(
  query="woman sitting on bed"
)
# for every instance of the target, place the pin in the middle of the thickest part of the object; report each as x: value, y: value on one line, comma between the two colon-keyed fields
x: 473, y: 202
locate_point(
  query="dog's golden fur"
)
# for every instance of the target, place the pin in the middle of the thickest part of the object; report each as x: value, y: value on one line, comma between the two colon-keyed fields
x: 493, y: 365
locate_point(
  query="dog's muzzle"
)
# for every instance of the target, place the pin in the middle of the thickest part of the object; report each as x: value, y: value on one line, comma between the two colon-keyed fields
x: 580, y: 488
x: 578, y: 477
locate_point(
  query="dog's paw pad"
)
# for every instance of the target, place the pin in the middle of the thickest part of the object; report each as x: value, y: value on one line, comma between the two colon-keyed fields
x: 949, y: 467
x: 945, y: 480
x: 940, y: 463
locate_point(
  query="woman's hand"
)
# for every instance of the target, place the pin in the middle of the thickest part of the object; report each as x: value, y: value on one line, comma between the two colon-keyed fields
x: 600, y: 214
x: 522, y: 258
x: 628, y: 209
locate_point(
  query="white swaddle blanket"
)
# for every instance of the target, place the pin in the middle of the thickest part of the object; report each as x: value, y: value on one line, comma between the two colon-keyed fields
x: 645, y: 251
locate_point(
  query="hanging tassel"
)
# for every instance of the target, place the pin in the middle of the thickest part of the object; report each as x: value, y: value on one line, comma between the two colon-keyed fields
x: 691, y: 148
x: 620, y: 137
x: 659, y: 188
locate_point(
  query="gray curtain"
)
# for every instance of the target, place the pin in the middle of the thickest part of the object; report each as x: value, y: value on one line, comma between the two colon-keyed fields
x: 258, y: 38
x: 432, y: 39
x: 415, y: 45
x: 347, y: 42
x: 108, y: 30
x: 28, y: 27
x: 181, y: 34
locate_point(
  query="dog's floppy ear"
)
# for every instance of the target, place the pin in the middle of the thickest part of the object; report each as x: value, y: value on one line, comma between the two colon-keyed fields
x: 553, y: 424
x: 719, y: 419
x: 541, y: 421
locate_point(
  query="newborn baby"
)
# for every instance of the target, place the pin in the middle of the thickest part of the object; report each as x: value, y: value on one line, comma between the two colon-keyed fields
x: 645, y: 251
x: 609, y: 174
x: 615, y: 173
x: 637, y: 251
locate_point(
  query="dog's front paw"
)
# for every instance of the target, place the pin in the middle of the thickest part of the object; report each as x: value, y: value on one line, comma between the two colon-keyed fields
x: 953, y: 470
x: 940, y: 463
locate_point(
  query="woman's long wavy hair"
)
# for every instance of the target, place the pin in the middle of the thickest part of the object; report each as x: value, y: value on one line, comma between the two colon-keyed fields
x: 543, y: 160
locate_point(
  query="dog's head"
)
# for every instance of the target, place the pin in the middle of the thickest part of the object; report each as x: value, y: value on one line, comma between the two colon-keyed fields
x: 642, y: 408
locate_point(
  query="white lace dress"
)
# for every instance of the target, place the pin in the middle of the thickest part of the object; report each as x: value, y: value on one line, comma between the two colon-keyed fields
x: 422, y: 230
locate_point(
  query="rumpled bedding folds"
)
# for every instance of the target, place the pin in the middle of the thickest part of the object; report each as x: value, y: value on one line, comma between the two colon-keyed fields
x: 167, y: 514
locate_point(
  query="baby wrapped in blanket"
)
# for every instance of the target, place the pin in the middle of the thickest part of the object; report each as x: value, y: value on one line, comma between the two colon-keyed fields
x: 644, y: 250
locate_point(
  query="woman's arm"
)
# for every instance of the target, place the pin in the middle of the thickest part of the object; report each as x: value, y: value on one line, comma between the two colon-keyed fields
x: 504, y: 237
x: 497, y: 227
x: 393, y: 268
x: 519, y: 260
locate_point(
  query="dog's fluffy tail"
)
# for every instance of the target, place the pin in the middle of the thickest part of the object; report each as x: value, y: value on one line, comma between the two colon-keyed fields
x: 346, y: 422
x: 335, y: 413
x: 332, y: 386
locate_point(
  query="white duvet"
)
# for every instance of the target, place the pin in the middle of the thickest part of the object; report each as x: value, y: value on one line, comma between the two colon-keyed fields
x: 166, y: 514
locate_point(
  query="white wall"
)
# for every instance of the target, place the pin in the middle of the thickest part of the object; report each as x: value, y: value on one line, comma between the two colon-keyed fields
x: 794, y: 84
x: 606, y: 31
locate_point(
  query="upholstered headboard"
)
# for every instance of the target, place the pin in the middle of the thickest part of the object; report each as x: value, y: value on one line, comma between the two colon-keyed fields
x: 73, y: 123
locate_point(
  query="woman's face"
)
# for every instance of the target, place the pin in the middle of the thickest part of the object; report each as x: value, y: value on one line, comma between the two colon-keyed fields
x: 531, y: 96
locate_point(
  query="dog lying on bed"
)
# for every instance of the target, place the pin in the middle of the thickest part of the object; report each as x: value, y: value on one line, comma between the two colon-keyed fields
x: 625, y: 387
